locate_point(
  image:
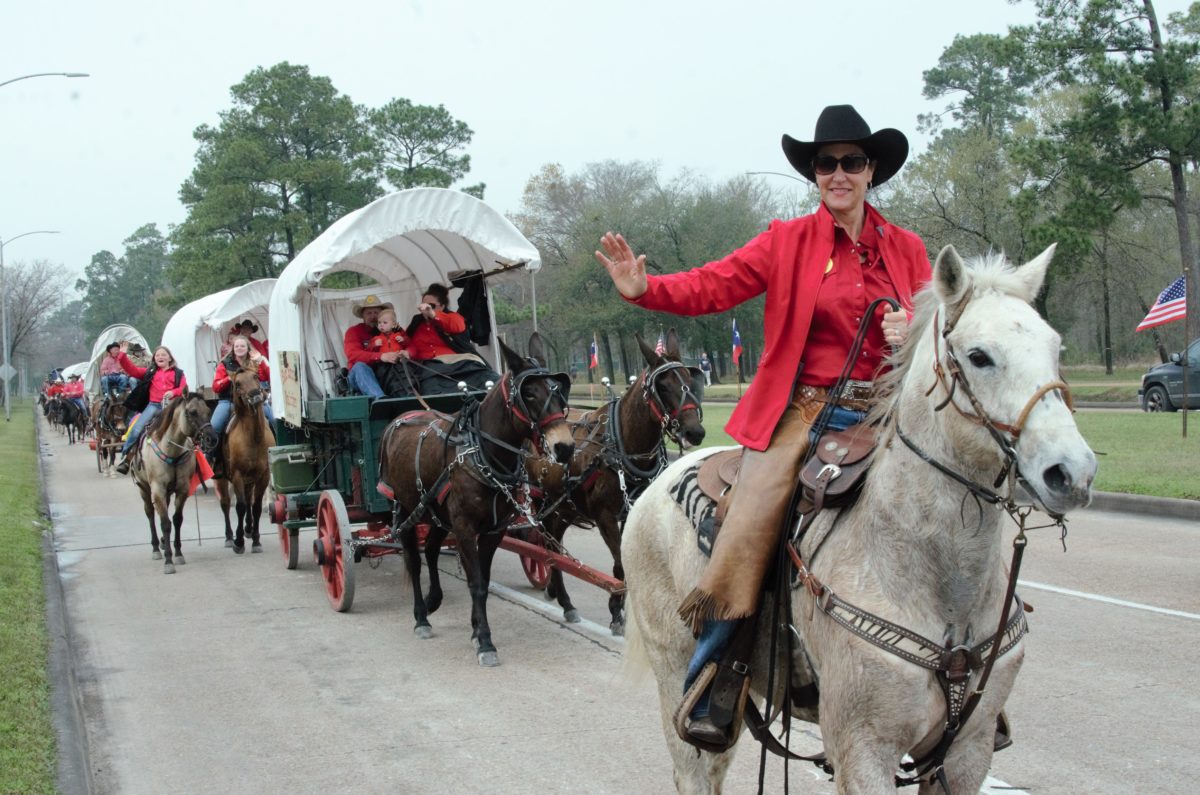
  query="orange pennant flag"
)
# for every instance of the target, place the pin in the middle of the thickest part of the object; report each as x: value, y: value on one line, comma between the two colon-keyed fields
x: 203, y: 472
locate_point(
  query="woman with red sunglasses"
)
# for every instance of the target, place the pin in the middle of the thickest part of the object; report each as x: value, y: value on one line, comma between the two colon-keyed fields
x: 820, y: 273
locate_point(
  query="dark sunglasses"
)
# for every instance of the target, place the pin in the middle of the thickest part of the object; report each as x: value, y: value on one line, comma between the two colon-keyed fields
x: 851, y: 164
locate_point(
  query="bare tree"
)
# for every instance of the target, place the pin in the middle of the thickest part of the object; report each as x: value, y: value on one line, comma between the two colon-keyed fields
x: 35, y: 292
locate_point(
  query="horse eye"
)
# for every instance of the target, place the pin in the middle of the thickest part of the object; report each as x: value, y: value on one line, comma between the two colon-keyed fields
x: 979, y: 358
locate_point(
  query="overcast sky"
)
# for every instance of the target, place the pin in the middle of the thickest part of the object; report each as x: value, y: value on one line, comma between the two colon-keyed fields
x: 704, y: 86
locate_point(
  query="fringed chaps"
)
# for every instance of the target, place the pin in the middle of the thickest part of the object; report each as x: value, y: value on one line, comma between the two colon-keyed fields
x: 732, y: 582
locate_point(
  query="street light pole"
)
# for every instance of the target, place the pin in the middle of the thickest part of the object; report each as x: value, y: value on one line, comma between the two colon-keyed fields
x: 4, y: 314
x: 46, y: 74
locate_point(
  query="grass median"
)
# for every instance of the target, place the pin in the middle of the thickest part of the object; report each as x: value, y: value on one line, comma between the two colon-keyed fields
x: 27, y: 748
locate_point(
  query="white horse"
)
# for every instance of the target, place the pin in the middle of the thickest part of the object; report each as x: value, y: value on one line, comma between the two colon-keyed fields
x: 921, y: 549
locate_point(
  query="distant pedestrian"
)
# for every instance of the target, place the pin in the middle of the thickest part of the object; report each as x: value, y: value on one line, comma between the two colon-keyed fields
x: 706, y: 368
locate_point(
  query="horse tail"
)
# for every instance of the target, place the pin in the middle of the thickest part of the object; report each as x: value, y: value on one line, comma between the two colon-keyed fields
x: 635, y: 662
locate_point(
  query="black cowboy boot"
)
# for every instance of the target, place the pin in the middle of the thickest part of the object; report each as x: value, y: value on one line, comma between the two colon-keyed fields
x: 123, y: 467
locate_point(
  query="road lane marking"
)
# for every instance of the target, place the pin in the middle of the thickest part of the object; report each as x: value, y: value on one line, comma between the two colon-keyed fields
x: 1109, y: 600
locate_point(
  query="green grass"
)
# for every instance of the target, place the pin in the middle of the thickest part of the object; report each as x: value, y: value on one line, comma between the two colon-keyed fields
x: 1144, y: 453
x: 27, y: 749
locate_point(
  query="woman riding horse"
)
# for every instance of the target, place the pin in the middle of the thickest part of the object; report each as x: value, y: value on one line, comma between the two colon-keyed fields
x: 820, y: 273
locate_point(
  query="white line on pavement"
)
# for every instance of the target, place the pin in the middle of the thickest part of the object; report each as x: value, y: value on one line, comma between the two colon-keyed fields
x: 1108, y: 600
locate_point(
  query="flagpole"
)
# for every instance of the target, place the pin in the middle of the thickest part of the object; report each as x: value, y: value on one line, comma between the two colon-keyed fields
x: 1188, y: 298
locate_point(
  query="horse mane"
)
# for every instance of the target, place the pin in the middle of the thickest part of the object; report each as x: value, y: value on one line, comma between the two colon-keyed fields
x: 989, y: 272
x: 164, y: 420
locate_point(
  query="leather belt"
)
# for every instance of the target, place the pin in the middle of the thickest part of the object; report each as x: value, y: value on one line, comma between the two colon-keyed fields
x: 856, y: 395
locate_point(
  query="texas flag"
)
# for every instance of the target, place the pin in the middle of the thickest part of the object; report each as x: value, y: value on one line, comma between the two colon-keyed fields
x: 737, y: 343
x: 594, y: 354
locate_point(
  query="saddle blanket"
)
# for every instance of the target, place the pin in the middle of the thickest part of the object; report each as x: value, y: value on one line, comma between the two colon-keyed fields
x: 697, y: 506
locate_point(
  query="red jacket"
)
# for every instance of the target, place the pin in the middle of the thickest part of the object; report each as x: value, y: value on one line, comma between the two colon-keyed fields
x: 786, y: 262
x: 223, y: 377
x: 355, y: 343
x: 162, y: 381
x: 424, y: 340
x: 73, y: 389
x: 390, y: 342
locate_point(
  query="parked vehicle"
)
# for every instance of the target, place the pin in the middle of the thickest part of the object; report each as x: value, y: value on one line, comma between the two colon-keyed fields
x: 1162, y: 385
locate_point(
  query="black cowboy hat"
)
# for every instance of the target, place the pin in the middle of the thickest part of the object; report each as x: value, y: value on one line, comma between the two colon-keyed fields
x: 248, y: 323
x: 842, y: 124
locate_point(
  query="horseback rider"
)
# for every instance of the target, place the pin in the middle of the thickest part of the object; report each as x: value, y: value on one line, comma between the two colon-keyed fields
x: 241, y: 356
x: 819, y: 273
x: 74, y: 391
x: 162, y: 381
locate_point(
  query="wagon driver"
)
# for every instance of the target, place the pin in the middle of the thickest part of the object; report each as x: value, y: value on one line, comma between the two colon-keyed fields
x: 356, y: 344
x: 819, y: 273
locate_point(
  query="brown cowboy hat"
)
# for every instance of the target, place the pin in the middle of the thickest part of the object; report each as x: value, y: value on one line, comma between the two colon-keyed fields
x: 370, y: 302
x: 842, y: 124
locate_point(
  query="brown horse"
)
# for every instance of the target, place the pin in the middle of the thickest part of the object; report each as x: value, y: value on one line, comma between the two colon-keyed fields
x: 618, y: 450
x: 163, y: 468
x: 246, y: 468
x: 111, y: 420
x: 465, y: 473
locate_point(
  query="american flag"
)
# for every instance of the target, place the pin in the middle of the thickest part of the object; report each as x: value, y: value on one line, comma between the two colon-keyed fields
x: 660, y: 347
x: 737, y: 343
x: 1171, y: 305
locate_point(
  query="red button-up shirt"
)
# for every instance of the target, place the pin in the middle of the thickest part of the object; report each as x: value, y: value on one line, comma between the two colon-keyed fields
x: 853, y: 279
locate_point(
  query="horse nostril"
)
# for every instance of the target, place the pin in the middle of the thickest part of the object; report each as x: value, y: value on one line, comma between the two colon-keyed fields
x: 1057, y: 479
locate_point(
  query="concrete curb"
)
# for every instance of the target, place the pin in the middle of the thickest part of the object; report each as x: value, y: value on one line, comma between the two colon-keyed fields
x: 66, y: 705
x: 1166, y: 507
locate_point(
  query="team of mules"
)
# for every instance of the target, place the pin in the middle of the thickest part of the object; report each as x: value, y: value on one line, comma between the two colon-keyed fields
x: 903, y: 604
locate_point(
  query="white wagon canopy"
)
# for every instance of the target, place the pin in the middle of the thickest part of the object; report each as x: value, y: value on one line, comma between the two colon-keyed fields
x: 139, y: 351
x: 400, y: 244
x: 196, y: 332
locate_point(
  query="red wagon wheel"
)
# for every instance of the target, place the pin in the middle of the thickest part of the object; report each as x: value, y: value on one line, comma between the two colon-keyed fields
x: 288, y: 538
x: 537, y: 572
x: 331, y: 552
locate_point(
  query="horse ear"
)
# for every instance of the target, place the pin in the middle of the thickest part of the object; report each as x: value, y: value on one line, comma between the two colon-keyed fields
x: 536, y: 349
x: 647, y: 352
x: 513, y: 359
x: 951, y: 280
x: 672, y: 343
x: 1033, y: 273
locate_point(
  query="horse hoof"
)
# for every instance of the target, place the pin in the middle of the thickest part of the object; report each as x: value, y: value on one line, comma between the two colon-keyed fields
x: 618, y: 629
x: 572, y: 616
x: 179, y: 559
x: 238, y: 550
x: 169, y: 568
x: 423, y: 631
x: 156, y: 555
x: 229, y: 543
x: 256, y: 547
x: 489, y: 659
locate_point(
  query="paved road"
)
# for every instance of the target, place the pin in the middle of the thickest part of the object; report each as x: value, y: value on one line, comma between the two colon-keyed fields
x: 235, y: 676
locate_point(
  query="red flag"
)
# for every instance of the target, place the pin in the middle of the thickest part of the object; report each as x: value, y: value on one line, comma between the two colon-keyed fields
x: 203, y: 472
x: 1171, y: 305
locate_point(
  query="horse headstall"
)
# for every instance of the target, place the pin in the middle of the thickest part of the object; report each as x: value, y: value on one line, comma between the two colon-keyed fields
x: 558, y: 393
x: 691, y: 394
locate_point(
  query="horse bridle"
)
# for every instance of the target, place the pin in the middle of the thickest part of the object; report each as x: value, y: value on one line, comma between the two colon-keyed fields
x: 669, y: 418
x: 558, y: 391
x: 957, y: 379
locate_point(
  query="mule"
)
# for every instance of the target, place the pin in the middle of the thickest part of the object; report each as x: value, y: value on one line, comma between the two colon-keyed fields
x: 920, y: 550
x: 111, y: 422
x: 247, y: 470
x: 163, y: 469
x: 618, y: 450
x: 465, y: 474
